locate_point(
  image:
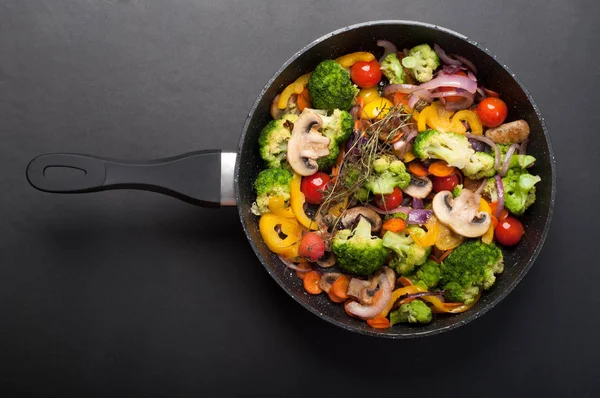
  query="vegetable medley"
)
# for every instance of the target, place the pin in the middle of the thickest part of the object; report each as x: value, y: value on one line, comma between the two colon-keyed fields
x: 390, y: 184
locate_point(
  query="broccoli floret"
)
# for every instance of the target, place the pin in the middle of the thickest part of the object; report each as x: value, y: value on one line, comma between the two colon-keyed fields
x: 519, y: 190
x: 406, y: 253
x: 337, y: 127
x: 330, y: 87
x: 454, y: 148
x: 480, y: 165
x: 392, y: 69
x: 358, y: 252
x: 414, y: 312
x: 388, y: 173
x: 457, y: 190
x: 268, y: 184
x: 489, y: 191
x: 427, y: 275
x: 421, y: 62
x: 516, y: 161
x: 273, y: 140
x: 471, y: 266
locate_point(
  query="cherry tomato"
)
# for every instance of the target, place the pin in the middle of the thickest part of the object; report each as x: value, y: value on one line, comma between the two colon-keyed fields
x: 312, y: 187
x: 389, y: 201
x: 453, y: 98
x: 312, y: 246
x: 492, y: 111
x: 445, y: 183
x: 366, y: 74
x: 509, y: 232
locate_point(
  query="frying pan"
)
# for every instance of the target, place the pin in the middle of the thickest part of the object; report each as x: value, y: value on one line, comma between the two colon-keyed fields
x: 214, y: 178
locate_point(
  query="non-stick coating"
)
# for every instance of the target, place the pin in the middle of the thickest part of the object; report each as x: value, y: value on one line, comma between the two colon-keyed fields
x: 494, y: 74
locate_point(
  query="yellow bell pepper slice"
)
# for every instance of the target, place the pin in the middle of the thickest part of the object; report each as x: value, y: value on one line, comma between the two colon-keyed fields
x: 368, y: 95
x: 396, y: 294
x: 484, y: 206
x: 350, y: 59
x: 423, y: 117
x: 408, y: 157
x: 488, y: 236
x: 295, y: 88
x: 430, y: 237
x: 288, y: 246
x: 297, y: 200
x: 277, y: 206
x: 470, y: 117
x: 339, y: 208
x: 377, y: 108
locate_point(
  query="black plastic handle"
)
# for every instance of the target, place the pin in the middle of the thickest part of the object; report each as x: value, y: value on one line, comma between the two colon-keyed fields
x: 193, y: 177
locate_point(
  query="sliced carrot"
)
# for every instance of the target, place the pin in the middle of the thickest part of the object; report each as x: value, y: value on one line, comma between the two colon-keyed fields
x: 379, y: 322
x: 440, y: 169
x: 404, y: 281
x: 311, y: 282
x: 503, y: 213
x: 453, y: 305
x: 335, y: 298
x: 304, y: 100
x: 417, y: 169
x: 394, y: 225
x: 303, y: 266
x: 494, y: 221
x: 400, y: 99
x: 340, y: 287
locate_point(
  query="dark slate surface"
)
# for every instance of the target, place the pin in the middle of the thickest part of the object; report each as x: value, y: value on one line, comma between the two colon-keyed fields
x: 131, y: 293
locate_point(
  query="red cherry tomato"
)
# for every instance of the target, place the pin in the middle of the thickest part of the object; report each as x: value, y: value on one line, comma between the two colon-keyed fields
x: 445, y: 183
x: 312, y: 246
x: 509, y: 232
x: 492, y: 111
x: 453, y: 98
x: 389, y: 201
x: 366, y: 74
x: 312, y: 187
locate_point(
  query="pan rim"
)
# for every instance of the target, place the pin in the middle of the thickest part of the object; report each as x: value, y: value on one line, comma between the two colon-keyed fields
x: 508, y: 289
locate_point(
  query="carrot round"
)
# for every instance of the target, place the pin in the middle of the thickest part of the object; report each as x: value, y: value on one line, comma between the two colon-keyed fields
x: 503, y: 213
x: 303, y: 100
x: 400, y: 99
x: 340, y: 287
x: 394, y: 225
x: 440, y: 169
x: 379, y: 322
x: 311, y: 282
x: 303, y: 266
x: 335, y: 298
x: 417, y: 169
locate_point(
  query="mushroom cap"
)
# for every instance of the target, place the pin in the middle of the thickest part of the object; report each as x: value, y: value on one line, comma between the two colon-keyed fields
x: 307, y: 144
x: 419, y: 187
x: 461, y: 214
x: 327, y: 280
x: 292, y: 107
x: 351, y: 217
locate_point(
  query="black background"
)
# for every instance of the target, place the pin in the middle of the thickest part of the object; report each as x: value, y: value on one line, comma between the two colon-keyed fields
x: 131, y: 293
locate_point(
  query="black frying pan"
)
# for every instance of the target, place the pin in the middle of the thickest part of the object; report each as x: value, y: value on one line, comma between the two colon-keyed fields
x: 215, y: 178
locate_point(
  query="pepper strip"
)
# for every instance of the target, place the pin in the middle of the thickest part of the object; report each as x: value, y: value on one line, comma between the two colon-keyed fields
x: 288, y: 246
x: 470, y: 117
x: 350, y: 59
x: 297, y: 203
x: 277, y: 207
x: 295, y: 88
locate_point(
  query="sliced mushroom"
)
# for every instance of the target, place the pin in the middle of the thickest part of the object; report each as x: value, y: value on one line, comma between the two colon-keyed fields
x: 462, y: 214
x: 307, y: 144
x: 292, y: 107
x: 351, y: 217
x: 327, y: 261
x: 356, y: 286
x: 327, y: 280
x: 419, y: 187
x: 507, y: 133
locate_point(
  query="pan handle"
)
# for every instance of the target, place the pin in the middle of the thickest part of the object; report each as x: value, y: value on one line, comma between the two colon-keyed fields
x: 203, y: 178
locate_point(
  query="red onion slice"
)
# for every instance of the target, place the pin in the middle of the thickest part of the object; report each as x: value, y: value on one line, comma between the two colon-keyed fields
x: 371, y: 311
x: 293, y: 266
x: 507, y: 156
x: 466, y: 62
x: 500, y: 189
x: 412, y: 101
x: 418, y: 216
x: 444, y: 57
x: 481, y: 186
x: 465, y: 102
x: 523, y: 147
x: 491, y: 143
x: 388, y: 48
x: 457, y: 81
x: 471, y: 76
x: 417, y: 203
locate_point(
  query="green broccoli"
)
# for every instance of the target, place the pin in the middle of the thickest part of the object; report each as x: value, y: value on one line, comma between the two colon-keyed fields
x: 489, y: 190
x: 471, y: 266
x: 519, y: 190
x: 406, y: 253
x: 388, y: 173
x: 392, y: 69
x: 270, y: 183
x: 454, y: 148
x: 516, y: 161
x: 414, y: 312
x: 457, y: 190
x: 480, y: 165
x: 427, y: 275
x: 358, y: 252
x: 273, y: 139
x: 330, y: 87
x: 337, y: 127
x: 421, y: 62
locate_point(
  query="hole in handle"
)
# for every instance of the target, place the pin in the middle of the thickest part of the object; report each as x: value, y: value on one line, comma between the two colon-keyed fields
x: 59, y: 173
